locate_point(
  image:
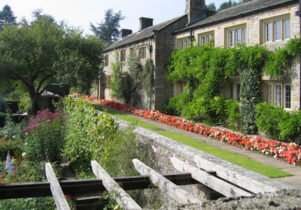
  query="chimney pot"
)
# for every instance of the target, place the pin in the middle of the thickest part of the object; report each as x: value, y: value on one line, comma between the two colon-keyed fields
x: 125, y: 32
x: 145, y: 23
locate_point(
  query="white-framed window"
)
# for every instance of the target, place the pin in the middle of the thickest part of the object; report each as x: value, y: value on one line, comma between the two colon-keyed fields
x: 106, y: 62
x: 183, y: 42
x: 237, y: 92
x: 122, y: 55
x: 276, y: 29
x: 277, y: 95
x: 287, y: 96
x: 236, y: 35
x: 234, y: 91
x: 205, y: 38
x: 142, y: 52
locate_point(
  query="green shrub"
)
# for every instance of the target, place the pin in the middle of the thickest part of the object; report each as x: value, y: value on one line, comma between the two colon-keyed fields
x: 249, y: 98
x: 277, y: 123
x: 44, y: 137
x: 11, y: 139
x: 3, y: 104
x: 176, y: 104
x: 232, y: 113
x: 87, y: 132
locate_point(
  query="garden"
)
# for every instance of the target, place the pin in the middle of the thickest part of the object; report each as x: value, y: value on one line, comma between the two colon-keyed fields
x: 75, y: 133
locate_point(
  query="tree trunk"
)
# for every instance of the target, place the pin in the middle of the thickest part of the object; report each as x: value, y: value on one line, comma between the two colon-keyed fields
x: 34, y: 103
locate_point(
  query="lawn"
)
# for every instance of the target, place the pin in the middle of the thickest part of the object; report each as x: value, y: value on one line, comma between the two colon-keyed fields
x: 217, y: 152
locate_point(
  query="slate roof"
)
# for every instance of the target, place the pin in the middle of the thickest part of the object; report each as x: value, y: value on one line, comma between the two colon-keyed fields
x: 241, y: 10
x: 140, y: 35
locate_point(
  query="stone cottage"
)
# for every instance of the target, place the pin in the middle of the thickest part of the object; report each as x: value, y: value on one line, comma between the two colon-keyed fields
x: 266, y: 22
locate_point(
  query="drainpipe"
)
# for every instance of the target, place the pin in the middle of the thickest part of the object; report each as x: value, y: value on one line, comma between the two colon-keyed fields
x: 191, y: 37
x: 298, y: 13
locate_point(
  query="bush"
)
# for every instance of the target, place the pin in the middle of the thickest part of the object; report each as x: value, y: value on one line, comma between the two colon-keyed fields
x: 11, y: 139
x: 44, y: 136
x: 86, y: 133
x: 278, y: 123
x: 249, y: 98
x: 232, y: 113
x: 176, y: 104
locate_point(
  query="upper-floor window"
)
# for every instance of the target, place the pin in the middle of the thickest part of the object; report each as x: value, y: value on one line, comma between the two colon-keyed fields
x: 106, y: 60
x: 276, y: 29
x: 183, y: 42
x: 236, y: 35
x: 122, y: 55
x: 205, y: 38
x: 142, y: 52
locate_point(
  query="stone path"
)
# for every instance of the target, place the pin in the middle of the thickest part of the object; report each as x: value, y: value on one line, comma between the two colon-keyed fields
x: 294, y: 180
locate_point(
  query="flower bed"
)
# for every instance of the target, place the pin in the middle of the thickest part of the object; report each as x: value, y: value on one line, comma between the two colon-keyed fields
x: 290, y: 152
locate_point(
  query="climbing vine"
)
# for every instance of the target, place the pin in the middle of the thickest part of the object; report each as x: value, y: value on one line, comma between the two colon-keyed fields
x: 116, y: 79
x: 148, y: 79
x: 205, y: 70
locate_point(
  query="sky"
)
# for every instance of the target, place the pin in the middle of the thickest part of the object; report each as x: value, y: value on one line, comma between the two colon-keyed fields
x: 80, y: 13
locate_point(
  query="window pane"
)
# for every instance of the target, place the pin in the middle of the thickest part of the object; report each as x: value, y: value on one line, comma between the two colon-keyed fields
x: 238, y: 92
x: 278, y: 30
x: 231, y: 91
x: 238, y: 36
x: 268, y: 94
x: 287, y: 29
x: 231, y: 38
x: 243, y: 35
x: 287, y: 96
x: 277, y: 95
x: 203, y: 40
x: 268, y: 32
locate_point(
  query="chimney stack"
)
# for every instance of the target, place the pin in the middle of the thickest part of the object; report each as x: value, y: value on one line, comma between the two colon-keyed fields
x: 125, y: 32
x: 195, y: 10
x: 145, y: 23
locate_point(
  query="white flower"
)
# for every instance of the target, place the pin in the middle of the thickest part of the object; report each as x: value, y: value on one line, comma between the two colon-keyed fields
x: 23, y: 154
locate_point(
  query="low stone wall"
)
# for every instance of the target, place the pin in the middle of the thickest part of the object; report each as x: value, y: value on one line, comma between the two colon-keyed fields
x: 159, y: 150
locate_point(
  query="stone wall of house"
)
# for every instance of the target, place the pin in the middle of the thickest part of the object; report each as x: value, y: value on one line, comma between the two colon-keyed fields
x: 115, y: 54
x: 164, y: 46
x: 254, y: 31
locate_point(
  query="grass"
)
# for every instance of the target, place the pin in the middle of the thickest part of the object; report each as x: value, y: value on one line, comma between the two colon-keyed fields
x: 217, y: 152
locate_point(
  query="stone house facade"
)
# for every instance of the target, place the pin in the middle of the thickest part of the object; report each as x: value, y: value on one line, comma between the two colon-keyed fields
x: 265, y: 22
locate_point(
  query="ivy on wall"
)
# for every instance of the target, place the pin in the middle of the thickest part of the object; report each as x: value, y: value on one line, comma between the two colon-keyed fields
x: 205, y: 70
x: 126, y: 85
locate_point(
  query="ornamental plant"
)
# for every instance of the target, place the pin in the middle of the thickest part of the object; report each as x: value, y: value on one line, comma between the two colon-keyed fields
x: 44, y: 136
x: 290, y: 152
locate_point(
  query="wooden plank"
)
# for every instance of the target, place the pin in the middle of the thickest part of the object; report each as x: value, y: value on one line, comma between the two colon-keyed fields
x: 210, y: 181
x: 245, y: 181
x: 84, y: 187
x: 172, y: 190
x: 118, y: 193
x: 56, y: 190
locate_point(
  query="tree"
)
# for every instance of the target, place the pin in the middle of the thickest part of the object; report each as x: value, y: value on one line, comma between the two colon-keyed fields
x: 226, y: 5
x: 211, y: 9
x: 108, y: 29
x: 7, y: 17
x: 32, y: 54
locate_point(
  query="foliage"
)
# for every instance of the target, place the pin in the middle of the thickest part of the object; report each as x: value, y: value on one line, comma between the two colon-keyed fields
x: 211, y: 8
x: 108, y: 29
x: 226, y: 5
x: 176, y: 104
x: 148, y: 79
x: 205, y: 70
x: 44, y: 136
x: 232, y: 113
x: 7, y: 17
x: 87, y: 132
x: 278, y: 123
x: 32, y: 54
x: 116, y: 78
x: 3, y: 105
x: 249, y: 97
x: 11, y: 138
